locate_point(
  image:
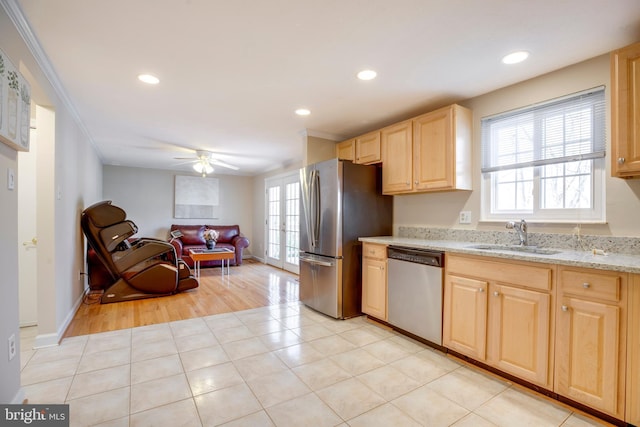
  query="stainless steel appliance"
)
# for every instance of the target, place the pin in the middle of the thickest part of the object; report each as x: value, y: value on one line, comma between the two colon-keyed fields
x: 415, y: 291
x: 340, y: 201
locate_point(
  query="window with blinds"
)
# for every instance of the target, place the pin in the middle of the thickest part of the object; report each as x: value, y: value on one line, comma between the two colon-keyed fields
x: 546, y: 161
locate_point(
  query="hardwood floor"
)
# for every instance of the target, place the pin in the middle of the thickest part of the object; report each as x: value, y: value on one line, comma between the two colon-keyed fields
x: 251, y: 285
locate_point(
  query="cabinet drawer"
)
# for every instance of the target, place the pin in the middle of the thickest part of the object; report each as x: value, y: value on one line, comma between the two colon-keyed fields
x: 526, y: 275
x: 372, y: 250
x: 591, y: 284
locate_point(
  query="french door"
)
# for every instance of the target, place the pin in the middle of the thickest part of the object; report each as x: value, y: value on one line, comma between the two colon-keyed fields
x: 283, y: 222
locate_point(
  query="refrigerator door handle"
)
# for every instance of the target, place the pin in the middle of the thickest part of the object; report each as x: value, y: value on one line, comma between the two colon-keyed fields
x: 315, y: 208
x: 315, y: 261
x: 306, y: 181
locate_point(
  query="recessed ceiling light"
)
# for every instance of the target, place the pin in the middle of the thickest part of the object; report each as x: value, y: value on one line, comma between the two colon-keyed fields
x: 149, y: 79
x: 303, y: 112
x: 367, y: 75
x: 515, y: 57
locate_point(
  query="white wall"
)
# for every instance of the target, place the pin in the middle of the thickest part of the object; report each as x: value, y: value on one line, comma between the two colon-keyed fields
x: 75, y: 168
x: 442, y: 209
x: 9, y: 370
x: 147, y: 195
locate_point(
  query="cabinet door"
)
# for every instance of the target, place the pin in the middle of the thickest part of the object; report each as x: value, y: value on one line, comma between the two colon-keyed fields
x: 346, y: 150
x: 374, y: 288
x: 368, y: 148
x: 625, y: 112
x: 633, y: 355
x: 519, y: 333
x: 587, y: 347
x: 397, y: 158
x: 464, y: 327
x: 433, y: 164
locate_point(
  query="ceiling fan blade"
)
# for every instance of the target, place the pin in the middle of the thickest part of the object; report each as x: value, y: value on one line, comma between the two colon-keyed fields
x: 223, y: 164
x: 187, y: 162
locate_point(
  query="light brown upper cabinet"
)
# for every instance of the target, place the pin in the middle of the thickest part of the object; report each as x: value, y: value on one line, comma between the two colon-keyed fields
x: 396, y: 141
x: 625, y: 112
x: 431, y: 152
x: 368, y: 148
x: 346, y: 150
x: 364, y: 149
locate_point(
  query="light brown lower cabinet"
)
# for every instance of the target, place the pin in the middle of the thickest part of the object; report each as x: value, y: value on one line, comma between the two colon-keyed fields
x: 591, y: 321
x: 374, y: 280
x: 633, y: 351
x: 574, y: 331
x: 500, y: 313
x: 465, y: 315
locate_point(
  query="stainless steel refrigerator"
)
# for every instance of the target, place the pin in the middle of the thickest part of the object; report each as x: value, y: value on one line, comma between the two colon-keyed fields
x: 340, y: 201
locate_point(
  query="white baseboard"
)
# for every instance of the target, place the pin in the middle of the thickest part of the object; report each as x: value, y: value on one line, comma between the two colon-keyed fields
x: 48, y: 340
x: 18, y: 399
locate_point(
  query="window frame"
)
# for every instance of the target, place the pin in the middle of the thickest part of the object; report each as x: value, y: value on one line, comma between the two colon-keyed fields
x: 594, y: 214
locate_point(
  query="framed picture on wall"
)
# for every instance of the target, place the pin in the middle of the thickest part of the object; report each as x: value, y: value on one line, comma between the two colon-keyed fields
x: 196, y: 197
x: 15, y: 106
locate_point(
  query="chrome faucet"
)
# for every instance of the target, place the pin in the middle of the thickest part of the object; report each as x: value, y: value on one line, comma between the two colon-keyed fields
x: 521, y: 228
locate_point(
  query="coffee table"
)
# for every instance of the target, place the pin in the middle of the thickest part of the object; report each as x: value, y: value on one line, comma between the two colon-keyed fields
x: 223, y: 254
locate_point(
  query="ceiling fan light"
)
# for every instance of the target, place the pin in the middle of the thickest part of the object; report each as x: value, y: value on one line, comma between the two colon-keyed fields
x: 203, y: 167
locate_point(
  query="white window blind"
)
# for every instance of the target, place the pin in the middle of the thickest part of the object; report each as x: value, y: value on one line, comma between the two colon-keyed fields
x: 563, y: 130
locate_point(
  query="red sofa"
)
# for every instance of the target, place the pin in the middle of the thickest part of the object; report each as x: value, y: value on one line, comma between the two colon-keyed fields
x: 193, y: 238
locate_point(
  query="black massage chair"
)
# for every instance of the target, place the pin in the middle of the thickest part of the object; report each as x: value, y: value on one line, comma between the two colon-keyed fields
x: 127, y: 268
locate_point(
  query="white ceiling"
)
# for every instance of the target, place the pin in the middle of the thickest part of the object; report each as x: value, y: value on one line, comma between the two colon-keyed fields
x: 233, y: 72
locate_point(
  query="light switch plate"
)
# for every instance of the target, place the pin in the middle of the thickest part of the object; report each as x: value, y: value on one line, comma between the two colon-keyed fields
x: 465, y: 217
x: 11, y: 179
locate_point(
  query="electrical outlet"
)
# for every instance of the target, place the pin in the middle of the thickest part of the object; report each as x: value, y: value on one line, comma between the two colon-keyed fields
x: 12, y: 346
x: 465, y: 217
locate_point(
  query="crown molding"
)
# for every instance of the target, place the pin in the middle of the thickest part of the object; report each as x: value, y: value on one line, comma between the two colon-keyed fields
x: 14, y: 11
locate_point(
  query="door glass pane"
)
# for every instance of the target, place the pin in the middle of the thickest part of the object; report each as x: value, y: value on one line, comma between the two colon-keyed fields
x: 292, y: 222
x: 274, y: 222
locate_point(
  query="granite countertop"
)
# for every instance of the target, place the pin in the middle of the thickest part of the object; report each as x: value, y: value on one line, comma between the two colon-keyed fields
x: 610, y: 261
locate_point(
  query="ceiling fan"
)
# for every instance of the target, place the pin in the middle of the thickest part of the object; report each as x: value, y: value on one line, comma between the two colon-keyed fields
x: 204, y: 161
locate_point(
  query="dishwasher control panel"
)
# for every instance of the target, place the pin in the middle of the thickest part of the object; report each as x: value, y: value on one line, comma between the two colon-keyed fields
x: 418, y: 256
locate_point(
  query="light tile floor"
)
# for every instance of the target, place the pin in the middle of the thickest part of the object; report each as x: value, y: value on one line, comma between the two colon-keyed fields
x: 281, y: 365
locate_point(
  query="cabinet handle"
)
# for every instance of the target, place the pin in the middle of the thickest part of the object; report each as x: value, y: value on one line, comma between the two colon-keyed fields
x: 586, y: 285
x: 408, y: 182
x: 415, y: 182
x: 621, y: 160
x: 496, y: 294
x: 481, y: 290
x: 564, y: 308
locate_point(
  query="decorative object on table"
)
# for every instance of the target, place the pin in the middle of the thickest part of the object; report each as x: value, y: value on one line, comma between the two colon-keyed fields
x: 210, y: 237
x: 15, y: 106
x: 196, y: 197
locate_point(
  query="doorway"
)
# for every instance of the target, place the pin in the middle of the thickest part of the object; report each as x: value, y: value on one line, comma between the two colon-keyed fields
x: 27, y: 236
x: 283, y: 221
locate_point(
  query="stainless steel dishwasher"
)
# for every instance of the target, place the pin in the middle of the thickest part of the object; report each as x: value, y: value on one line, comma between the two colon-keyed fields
x: 415, y: 291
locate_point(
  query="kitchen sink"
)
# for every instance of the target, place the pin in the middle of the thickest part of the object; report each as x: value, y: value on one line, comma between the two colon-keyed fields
x: 515, y: 248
